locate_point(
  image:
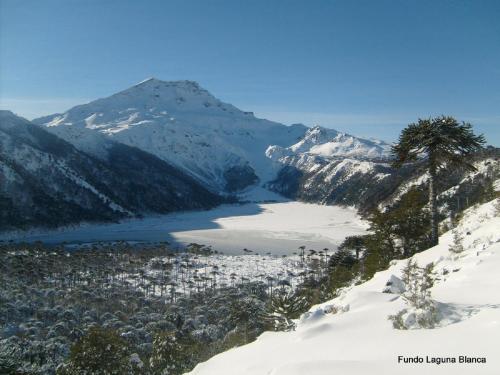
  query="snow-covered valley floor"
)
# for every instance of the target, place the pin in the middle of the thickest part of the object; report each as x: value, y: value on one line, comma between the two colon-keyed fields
x: 276, y: 228
x: 352, y: 334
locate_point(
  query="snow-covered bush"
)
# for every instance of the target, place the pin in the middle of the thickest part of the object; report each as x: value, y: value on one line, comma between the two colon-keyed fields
x: 456, y: 246
x: 421, y: 311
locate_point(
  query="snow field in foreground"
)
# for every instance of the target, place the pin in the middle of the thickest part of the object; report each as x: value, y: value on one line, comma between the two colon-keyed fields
x: 359, y: 339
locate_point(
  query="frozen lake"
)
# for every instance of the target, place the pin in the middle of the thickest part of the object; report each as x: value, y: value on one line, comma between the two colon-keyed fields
x: 279, y: 228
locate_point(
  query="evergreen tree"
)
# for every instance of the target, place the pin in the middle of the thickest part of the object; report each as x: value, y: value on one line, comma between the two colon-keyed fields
x: 10, y: 362
x: 355, y: 243
x: 342, y: 257
x: 457, y: 245
x: 398, y: 232
x: 488, y: 192
x: 172, y: 354
x: 410, y: 223
x: 285, y: 306
x: 247, y: 314
x: 418, y: 282
x: 100, y: 352
x: 342, y: 269
x: 443, y: 141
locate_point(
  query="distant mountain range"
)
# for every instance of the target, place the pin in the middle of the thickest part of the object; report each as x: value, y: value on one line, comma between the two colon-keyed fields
x: 159, y: 146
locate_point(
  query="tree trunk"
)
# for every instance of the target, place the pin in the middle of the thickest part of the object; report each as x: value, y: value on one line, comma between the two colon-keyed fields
x: 433, y: 206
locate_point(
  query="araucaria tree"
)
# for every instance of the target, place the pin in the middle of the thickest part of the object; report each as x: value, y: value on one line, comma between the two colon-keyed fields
x: 442, y: 141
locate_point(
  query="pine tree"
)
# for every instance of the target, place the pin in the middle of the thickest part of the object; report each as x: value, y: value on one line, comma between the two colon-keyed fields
x: 488, y: 192
x: 174, y: 353
x: 100, y: 351
x: 355, y: 243
x: 421, y: 311
x: 396, y: 233
x: 165, y: 356
x: 247, y: 314
x: 443, y: 141
x: 418, y: 282
x: 342, y: 270
x: 456, y: 246
x: 285, y: 306
x: 9, y: 362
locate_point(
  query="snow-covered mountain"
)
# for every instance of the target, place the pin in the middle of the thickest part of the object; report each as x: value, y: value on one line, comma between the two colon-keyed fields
x: 327, y: 166
x: 352, y: 335
x: 46, y: 181
x: 329, y: 143
x: 225, y: 149
x: 185, y: 125
x: 181, y: 123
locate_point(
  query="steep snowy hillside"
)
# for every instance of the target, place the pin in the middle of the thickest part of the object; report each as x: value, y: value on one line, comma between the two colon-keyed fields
x: 46, y: 181
x: 329, y: 167
x: 352, y: 334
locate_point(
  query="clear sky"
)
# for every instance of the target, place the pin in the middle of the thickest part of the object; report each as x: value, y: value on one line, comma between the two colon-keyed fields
x: 364, y: 67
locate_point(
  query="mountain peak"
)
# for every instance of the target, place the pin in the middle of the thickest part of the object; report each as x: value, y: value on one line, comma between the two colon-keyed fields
x: 155, y: 90
x: 153, y: 82
x: 9, y: 119
x: 150, y: 79
x: 151, y: 101
x: 7, y: 114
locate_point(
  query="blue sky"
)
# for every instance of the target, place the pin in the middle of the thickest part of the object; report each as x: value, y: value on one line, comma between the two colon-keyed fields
x: 365, y: 67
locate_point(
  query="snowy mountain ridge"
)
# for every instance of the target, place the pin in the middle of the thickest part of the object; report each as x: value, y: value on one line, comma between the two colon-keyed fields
x: 185, y: 125
x: 331, y: 143
x: 344, y: 335
x: 45, y: 180
x: 371, y: 183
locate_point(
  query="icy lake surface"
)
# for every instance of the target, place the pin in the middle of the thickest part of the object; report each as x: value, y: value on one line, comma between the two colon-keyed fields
x: 276, y: 228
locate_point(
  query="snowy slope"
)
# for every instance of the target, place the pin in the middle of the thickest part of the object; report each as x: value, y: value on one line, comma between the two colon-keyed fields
x: 184, y: 124
x: 352, y: 335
